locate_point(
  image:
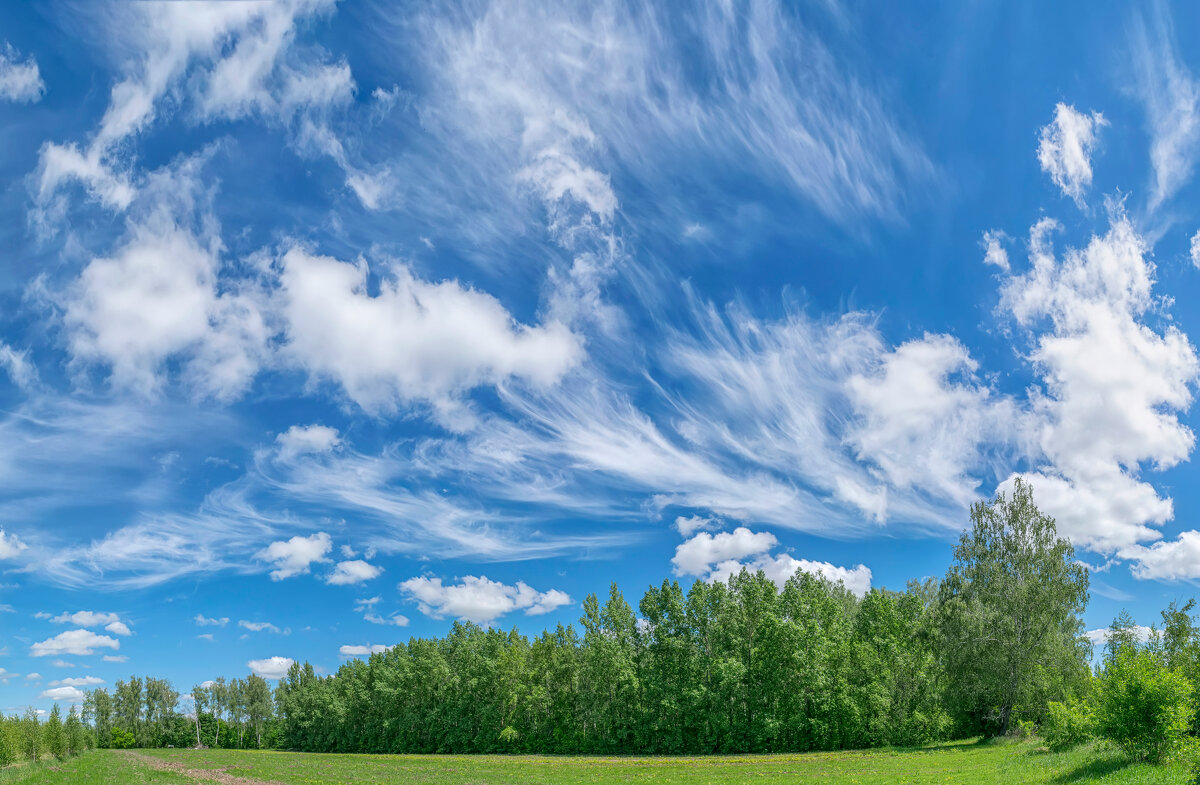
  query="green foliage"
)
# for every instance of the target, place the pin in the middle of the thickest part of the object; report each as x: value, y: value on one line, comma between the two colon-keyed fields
x: 1010, y: 628
x: 54, y: 738
x: 122, y: 739
x: 1142, y: 705
x: 1068, y: 724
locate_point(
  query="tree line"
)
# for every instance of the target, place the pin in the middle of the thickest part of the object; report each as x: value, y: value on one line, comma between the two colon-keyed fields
x: 996, y: 646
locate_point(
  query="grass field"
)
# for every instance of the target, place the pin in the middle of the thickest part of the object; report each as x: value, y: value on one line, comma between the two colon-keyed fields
x: 976, y: 764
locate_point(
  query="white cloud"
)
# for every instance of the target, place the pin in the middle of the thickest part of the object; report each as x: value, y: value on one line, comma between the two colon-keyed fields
x: 203, y: 621
x: 923, y: 417
x: 350, y: 572
x: 1174, y: 560
x: 259, y: 626
x: 20, y: 80
x: 10, y: 545
x: 362, y: 651
x: 1065, y: 149
x: 118, y: 628
x: 692, y: 524
x: 86, y: 618
x: 478, y: 599
x: 22, y: 372
x: 115, y: 658
x: 307, y: 440
x: 1100, y: 637
x: 395, y: 619
x: 1111, y: 385
x: 1195, y: 250
x: 271, y: 668
x: 81, y: 681
x: 994, y: 252
x: 70, y: 694
x: 695, y: 556
x: 77, y: 642
x: 415, y: 340
x: 1171, y: 97
x: 295, y: 556
x: 206, y: 636
x: 780, y: 568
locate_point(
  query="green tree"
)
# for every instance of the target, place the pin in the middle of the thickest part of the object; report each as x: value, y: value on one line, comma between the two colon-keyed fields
x: 54, y: 736
x: 1143, y: 705
x: 1010, y: 614
x: 31, y: 735
x: 76, y: 734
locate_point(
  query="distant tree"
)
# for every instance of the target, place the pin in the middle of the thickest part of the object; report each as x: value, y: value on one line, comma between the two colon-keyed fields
x: 76, y: 735
x: 258, y: 704
x: 199, y: 705
x: 98, y: 708
x: 31, y: 735
x: 55, y: 737
x: 1011, y: 633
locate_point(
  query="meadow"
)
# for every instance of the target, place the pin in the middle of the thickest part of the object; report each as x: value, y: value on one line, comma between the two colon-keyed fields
x: 1010, y: 763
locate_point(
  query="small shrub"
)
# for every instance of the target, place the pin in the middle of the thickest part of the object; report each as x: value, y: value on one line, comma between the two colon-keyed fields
x: 1023, y: 729
x: 122, y: 739
x: 1142, y: 705
x: 1068, y: 724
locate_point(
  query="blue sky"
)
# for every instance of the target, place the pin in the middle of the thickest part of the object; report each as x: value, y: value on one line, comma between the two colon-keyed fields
x: 323, y: 324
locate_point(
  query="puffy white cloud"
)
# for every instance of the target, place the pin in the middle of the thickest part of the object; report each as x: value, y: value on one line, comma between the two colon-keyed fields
x: 1065, y: 149
x: 395, y: 619
x: 10, y: 545
x: 203, y: 621
x: 694, y: 523
x: 695, y: 556
x: 362, y: 651
x: 78, y: 642
x: 156, y: 298
x: 115, y: 658
x: 1112, y: 385
x: 1194, y: 251
x: 118, y: 628
x: 271, y: 668
x: 780, y: 568
x: 80, y: 681
x: 306, y: 440
x: 415, y: 340
x: 994, y: 252
x: 295, y: 556
x: 1173, y: 560
x: 923, y: 417
x: 86, y: 618
x: 70, y: 694
x: 478, y: 599
x: 20, y: 80
x: 353, y: 571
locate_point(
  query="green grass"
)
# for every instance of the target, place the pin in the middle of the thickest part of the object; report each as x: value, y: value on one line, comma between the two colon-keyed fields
x: 966, y: 763
x: 104, y: 767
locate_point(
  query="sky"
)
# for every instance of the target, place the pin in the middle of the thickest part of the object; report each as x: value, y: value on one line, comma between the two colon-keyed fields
x: 325, y: 324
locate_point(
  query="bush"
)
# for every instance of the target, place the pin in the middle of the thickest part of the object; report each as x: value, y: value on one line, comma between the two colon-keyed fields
x: 1142, y: 705
x: 122, y: 739
x: 1068, y: 724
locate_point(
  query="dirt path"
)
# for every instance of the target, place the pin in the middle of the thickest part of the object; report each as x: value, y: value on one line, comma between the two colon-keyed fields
x: 220, y: 775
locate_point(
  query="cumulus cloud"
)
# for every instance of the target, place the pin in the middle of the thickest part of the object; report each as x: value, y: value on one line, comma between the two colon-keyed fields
x: 413, y: 341
x: 118, y: 628
x: 687, y: 526
x: 82, y: 681
x: 395, y: 619
x: 478, y: 599
x: 353, y: 571
x: 86, y: 618
x: 295, y: 556
x: 362, y: 651
x: 1174, y: 560
x: 20, y: 79
x: 77, y: 642
x: 780, y: 568
x: 271, y: 668
x: 695, y: 556
x: 1065, y: 149
x: 68, y: 694
x: 1112, y: 386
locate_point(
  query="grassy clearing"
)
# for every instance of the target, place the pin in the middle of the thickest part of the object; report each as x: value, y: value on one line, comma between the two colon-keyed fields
x: 105, y: 767
x: 967, y: 763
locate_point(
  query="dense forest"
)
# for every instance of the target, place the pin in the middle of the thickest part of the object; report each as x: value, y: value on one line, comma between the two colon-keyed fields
x: 994, y: 647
